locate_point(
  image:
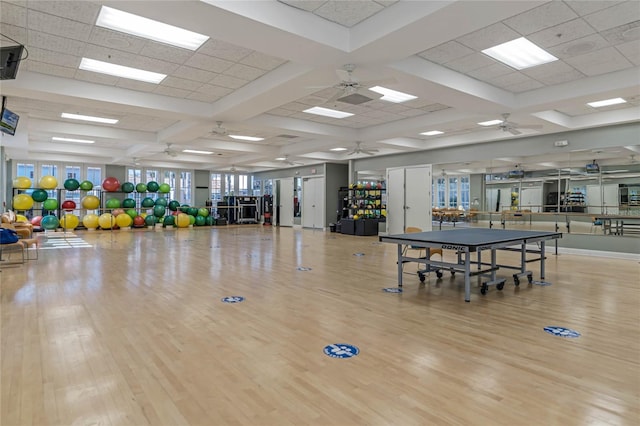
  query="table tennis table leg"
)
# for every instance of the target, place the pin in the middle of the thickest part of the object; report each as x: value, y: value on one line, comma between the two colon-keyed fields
x: 467, y: 277
x: 399, y: 265
x: 523, y: 266
x: 542, y: 260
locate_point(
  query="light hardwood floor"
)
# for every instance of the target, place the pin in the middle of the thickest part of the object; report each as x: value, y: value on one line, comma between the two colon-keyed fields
x: 132, y: 331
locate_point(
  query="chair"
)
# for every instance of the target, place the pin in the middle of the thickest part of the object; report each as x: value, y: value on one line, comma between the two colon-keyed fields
x: 11, y: 247
x: 432, y: 251
x: 30, y: 242
x: 594, y: 222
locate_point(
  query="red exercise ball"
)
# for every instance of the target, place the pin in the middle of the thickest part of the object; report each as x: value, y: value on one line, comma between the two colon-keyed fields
x: 35, y: 221
x: 138, y: 222
x: 68, y: 205
x: 111, y: 184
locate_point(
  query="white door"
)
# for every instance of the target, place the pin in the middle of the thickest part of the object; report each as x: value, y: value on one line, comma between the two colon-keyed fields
x: 285, y: 202
x: 418, y: 197
x: 395, y: 201
x: 313, y: 203
x: 531, y: 199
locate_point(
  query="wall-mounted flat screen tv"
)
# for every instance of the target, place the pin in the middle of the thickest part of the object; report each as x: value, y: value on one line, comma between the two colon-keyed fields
x: 9, y: 122
x: 10, y: 57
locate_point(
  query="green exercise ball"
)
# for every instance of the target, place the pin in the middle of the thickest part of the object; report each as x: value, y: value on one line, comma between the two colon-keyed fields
x: 49, y: 222
x: 128, y: 203
x: 161, y: 202
x: 158, y: 211
x: 86, y: 185
x: 169, y: 220
x: 193, y: 211
x: 112, y: 203
x: 127, y: 187
x: 39, y: 195
x: 71, y: 184
x: 173, y: 205
x: 150, y: 220
x: 184, y: 208
x: 147, y: 202
x: 209, y: 220
x: 50, y: 204
x: 203, y: 212
x: 152, y: 186
x: 141, y: 187
x: 132, y: 212
x: 164, y: 188
x: 201, y: 220
x: 192, y: 219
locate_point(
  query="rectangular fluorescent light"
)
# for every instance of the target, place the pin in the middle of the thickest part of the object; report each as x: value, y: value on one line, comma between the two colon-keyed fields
x: 57, y: 139
x: 392, y: 95
x: 246, y: 138
x: 88, y: 118
x: 432, y: 133
x: 607, y: 102
x: 520, y: 54
x: 490, y: 122
x: 195, y: 151
x: 338, y: 149
x: 148, y: 28
x: 328, y: 112
x: 121, y: 71
x: 281, y: 158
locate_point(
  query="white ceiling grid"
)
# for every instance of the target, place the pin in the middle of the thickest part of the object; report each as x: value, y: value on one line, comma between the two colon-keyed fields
x: 258, y: 78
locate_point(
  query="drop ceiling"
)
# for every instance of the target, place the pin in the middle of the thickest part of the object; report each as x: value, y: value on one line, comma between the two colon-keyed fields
x: 267, y: 61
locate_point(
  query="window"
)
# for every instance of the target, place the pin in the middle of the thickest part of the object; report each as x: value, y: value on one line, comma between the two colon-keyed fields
x: 230, y: 184
x: 152, y: 175
x: 257, y: 183
x: 134, y: 176
x: 27, y: 170
x: 268, y: 187
x: 243, y: 185
x: 451, y: 192
x: 440, y: 193
x: 464, y: 192
x: 72, y: 172
x: 216, y: 190
x: 185, y: 188
x: 94, y: 175
x: 170, y: 179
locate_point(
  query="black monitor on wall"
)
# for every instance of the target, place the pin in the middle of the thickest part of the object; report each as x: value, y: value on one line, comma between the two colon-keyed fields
x: 8, y: 121
x: 10, y: 57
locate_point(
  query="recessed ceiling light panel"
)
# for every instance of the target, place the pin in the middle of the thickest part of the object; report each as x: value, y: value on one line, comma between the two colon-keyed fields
x: 58, y: 139
x: 490, y: 122
x: 338, y: 149
x: 121, y: 71
x: 432, y: 133
x: 328, y: 112
x: 88, y: 118
x: 392, y: 95
x: 148, y: 28
x: 196, y: 151
x: 246, y: 138
x: 607, y: 102
x: 520, y: 54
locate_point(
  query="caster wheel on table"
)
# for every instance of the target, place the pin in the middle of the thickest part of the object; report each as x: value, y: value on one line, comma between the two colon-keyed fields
x: 484, y: 288
x: 453, y: 273
x: 516, y: 280
x: 530, y: 278
x: 421, y: 276
x: 500, y: 286
x: 439, y: 274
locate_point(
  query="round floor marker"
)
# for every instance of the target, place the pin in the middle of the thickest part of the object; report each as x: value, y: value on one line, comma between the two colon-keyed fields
x: 392, y: 290
x: 232, y: 299
x: 358, y: 254
x: 541, y: 283
x: 303, y: 268
x: 341, y: 350
x: 561, y: 331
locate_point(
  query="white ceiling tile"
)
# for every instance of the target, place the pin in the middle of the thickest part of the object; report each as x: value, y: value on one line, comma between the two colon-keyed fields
x: 562, y: 33
x: 281, y: 112
x: 208, y: 63
x: 446, y: 52
x: 58, y: 26
x: 19, y: 34
x: 581, y: 46
x: 553, y: 73
x: 81, y: 11
x: 223, y: 50
x: 308, y: 5
x: 541, y: 17
x: 210, y: 89
x: 294, y: 106
x: 165, y: 52
x: 262, y: 61
x: 623, y: 33
x: 203, y: 97
x: 412, y: 113
x: 434, y: 107
x: 313, y: 100
x: 172, y: 91
x: 470, y: 63
x: 509, y: 79
x: 95, y: 77
x: 56, y: 58
x: 488, y: 37
x: 244, y: 72
x: 119, y: 57
x: 50, y: 69
x: 56, y: 43
x: 13, y: 14
x: 524, y: 86
x: 140, y: 86
x: 490, y: 72
x: 582, y: 7
x: 181, y: 83
x: 228, y: 81
x: 615, y: 16
x: 348, y: 13
x: 386, y: 3
x: 631, y: 51
x: 600, y: 62
x: 116, y: 40
x: 418, y: 103
x: 194, y: 74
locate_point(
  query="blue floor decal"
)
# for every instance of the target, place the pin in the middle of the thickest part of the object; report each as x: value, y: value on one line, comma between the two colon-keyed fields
x: 341, y: 350
x: 561, y: 331
x: 232, y: 299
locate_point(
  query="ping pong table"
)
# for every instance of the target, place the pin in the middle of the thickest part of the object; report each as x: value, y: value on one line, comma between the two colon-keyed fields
x: 473, y: 240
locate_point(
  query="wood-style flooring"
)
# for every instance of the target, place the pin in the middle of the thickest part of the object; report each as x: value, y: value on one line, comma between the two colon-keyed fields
x: 130, y: 329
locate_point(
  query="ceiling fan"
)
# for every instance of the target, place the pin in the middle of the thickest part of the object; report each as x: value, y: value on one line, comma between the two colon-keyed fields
x: 350, y: 89
x: 288, y: 161
x: 360, y: 150
x: 514, y: 128
x: 170, y: 152
x: 234, y: 169
x: 219, y: 130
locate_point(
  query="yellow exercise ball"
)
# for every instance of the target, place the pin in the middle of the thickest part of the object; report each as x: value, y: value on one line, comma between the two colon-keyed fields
x: 69, y: 221
x: 106, y: 221
x: 90, y: 202
x: 22, y: 202
x: 22, y: 182
x: 90, y: 221
x: 124, y: 220
x: 182, y: 220
x: 48, y: 182
x: 21, y: 218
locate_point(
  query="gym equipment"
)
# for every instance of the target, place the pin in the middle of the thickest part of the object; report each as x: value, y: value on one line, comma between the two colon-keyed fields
x: 71, y: 184
x: 50, y: 204
x: 21, y: 218
x: 192, y: 211
x: 132, y: 213
x: 112, y: 203
x: 138, y: 222
x: 49, y: 222
x: 161, y: 202
x: 127, y: 187
x: 164, y: 188
x: 200, y: 220
x: 128, y: 203
x: 21, y: 182
x: 111, y: 184
x: 150, y: 220
x: 90, y: 221
x: 106, y: 221
x: 204, y: 212
x: 35, y: 221
x: 158, y: 211
x: 39, y: 195
x: 86, y: 185
x: 123, y: 220
x: 68, y: 205
x: 141, y: 187
x: 69, y: 221
x: 192, y: 219
x: 182, y: 220
x: 48, y: 182
x: 152, y: 186
x: 147, y: 202
x: 90, y: 202
x: 173, y: 205
x: 116, y: 212
x: 169, y: 220
x: 22, y: 202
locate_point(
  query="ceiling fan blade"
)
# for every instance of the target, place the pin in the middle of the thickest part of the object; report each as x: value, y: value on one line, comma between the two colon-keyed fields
x: 345, y: 75
x: 368, y: 152
x: 335, y: 97
x: 513, y: 131
x: 530, y: 126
